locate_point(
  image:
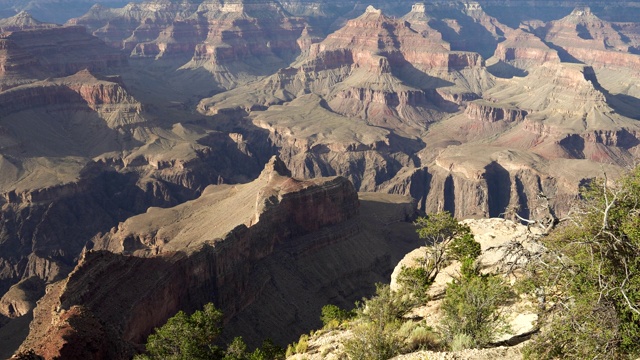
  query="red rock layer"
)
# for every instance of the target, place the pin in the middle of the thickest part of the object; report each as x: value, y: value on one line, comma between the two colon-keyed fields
x: 362, y: 41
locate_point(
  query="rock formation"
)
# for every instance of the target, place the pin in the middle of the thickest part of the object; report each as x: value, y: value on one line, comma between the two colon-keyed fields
x: 521, y: 51
x: 223, y: 38
x: 494, y: 236
x: 440, y: 101
x: 585, y: 37
x: 23, y: 21
x: 233, y: 257
x: 66, y: 50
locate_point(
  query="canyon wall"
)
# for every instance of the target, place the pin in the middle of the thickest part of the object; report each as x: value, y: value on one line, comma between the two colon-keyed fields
x: 320, y: 224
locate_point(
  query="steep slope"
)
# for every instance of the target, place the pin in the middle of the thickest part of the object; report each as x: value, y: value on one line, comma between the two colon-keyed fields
x: 245, y: 260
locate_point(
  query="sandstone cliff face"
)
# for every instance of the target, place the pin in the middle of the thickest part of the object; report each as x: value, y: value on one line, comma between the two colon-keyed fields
x: 523, y: 50
x: 488, y: 112
x: 64, y: 51
x: 313, y: 222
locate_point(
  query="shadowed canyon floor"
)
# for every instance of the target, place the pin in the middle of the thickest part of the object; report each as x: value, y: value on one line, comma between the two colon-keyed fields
x: 127, y: 129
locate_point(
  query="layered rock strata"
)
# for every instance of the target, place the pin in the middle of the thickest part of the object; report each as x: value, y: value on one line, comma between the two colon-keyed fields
x: 64, y: 51
x: 242, y: 256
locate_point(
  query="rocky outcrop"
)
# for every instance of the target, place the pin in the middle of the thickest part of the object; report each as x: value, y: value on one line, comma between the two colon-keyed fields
x: 233, y: 259
x: 488, y: 112
x: 495, y: 237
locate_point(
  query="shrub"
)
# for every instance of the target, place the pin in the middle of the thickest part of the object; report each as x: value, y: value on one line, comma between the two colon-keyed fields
x: 375, y: 331
x: 303, y: 344
x: 374, y: 341
x: 461, y: 341
x: 470, y: 307
x: 416, y: 281
x: 237, y: 350
x: 417, y: 336
x: 333, y: 316
x: 186, y: 337
x: 591, y: 277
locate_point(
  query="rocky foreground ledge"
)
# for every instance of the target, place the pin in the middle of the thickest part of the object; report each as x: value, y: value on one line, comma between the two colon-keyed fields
x: 268, y: 253
x: 498, y: 238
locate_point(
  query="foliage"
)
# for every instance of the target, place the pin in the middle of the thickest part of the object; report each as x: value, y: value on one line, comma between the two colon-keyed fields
x: 385, y: 307
x: 303, y: 344
x: 416, y: 281
x: 470, y: 308
x: 271, y: 351
x: 237, y: 350
x: 464, y: 247
x: 192, y: 336
x: 375, y: 332
x: 440, y: 227
x: 449, y: 241
x: 461, y: 341
x: 375, y: 341
x: 186, y: 336
x: 331, y: 314
x: 417, y: 336
x: 590, y: 277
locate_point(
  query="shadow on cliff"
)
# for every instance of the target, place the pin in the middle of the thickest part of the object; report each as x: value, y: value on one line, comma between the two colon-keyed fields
x: 471, y: 36
x: 270, y: 280
x: 45, y: 234
x: 55, y: 121
x: 498, y: 188
x: 623, y: 104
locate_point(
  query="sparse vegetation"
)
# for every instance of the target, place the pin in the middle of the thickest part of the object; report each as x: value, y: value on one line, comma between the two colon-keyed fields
x: 590, y: 280
x: 471, y: 302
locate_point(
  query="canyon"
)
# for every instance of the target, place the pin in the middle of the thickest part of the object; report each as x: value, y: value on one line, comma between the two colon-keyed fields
x: 287, y: 145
